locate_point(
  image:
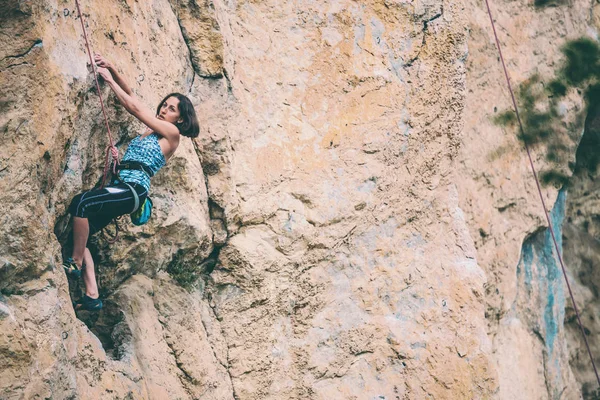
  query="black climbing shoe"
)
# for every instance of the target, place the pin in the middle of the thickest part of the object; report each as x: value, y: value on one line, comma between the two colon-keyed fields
x: 88, y: 304
x: 71, y: 268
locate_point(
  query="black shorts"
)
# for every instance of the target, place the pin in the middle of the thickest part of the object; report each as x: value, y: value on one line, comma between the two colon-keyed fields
x: 100, y: 206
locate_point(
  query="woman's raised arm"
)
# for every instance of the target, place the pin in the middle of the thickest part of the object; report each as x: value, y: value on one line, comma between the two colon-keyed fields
x: 139, y: 110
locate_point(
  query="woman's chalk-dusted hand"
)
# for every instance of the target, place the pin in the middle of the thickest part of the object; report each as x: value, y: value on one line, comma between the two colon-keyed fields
x: 105, y: 74
x: 101, y: 61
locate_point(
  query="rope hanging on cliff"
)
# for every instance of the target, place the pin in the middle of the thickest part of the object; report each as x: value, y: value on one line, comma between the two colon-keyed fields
x: 111, y: 160
x: 112, y: 154
x: 537, y: 182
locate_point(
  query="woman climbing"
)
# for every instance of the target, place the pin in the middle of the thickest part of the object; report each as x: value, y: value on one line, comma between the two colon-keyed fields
x: 147, y: 153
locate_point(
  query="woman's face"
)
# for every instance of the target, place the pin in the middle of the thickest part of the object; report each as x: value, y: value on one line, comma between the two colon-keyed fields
x: 170, y: 111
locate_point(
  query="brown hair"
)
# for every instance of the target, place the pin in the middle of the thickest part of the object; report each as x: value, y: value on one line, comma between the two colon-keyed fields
x: 189, y: 127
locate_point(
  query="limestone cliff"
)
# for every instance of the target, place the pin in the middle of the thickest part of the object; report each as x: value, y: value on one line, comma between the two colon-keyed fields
x: 350, y: 224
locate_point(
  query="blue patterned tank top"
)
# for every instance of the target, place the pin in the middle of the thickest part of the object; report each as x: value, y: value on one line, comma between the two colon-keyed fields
x: 147, y: 151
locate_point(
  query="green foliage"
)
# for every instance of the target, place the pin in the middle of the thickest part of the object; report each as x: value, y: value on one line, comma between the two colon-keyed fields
x: 542, y: 124
x: 9, y: 291
x: 582, y: 56
x: 528, y: 95
x: 557, y: 88
x: 546, y: 3
x: 592, y: 94
x: 506, y: 118
x: 185, y: 272
x: 555, y: 152
x: 588, y: 156
x: 555, y: 178
x: 537, y: 125
x: 588, y: 152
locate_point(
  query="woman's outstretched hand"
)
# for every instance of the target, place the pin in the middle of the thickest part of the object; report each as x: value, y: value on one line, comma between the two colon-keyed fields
x: 110, y: 73
x: 105, y: 74
x: 101, y: 61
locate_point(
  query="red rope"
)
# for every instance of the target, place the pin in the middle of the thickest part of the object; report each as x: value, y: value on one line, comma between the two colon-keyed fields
x: 112, y: 154
x: 537, y: 182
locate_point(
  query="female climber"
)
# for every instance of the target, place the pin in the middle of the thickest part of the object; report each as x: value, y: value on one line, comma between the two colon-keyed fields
x: 147, y: 153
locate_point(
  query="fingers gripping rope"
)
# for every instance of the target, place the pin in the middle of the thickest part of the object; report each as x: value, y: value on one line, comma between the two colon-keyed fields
x: 537, y: 182
x: 112, y: 154
x: 110, y: 163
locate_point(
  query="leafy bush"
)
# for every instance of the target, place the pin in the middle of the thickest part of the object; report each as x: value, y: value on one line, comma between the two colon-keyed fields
x: 542, y: 123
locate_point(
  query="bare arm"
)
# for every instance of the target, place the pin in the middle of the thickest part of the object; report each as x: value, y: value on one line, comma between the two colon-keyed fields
x: 104, y: 63
x: 139, y: 110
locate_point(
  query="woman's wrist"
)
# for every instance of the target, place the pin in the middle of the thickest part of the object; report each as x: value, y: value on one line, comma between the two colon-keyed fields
x: 111, y: 83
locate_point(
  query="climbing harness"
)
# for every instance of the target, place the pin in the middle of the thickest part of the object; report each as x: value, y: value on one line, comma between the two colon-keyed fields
x: 112, y: 154
x: 137, y: 166
x: 537, y: 182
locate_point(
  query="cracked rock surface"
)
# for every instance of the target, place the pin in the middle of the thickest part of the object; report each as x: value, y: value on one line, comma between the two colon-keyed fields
x: 337, y: 231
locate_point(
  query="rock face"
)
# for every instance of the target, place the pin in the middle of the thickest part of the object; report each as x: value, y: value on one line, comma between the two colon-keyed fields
x: 350, y: 223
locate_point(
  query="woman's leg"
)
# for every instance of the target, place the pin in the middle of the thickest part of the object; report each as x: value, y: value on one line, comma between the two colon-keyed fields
x: 91, y: 212
x: 89, y: 275
x: 81, y: 231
